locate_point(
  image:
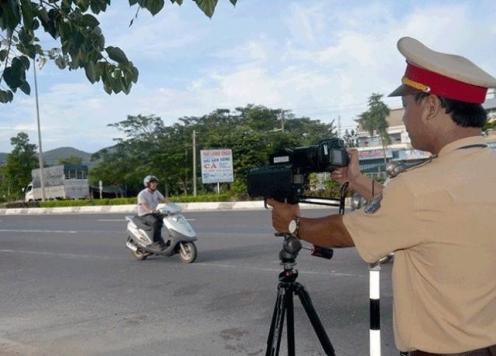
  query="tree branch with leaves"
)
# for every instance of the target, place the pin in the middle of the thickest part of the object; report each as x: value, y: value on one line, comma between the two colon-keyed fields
x: 74, y: 24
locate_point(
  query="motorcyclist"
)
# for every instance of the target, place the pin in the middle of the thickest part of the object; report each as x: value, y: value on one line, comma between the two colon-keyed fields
x: 148, y: 200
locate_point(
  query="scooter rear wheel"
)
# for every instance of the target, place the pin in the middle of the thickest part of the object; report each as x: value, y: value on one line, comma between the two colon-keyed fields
x: 140, y: 255
x: 187, y: 252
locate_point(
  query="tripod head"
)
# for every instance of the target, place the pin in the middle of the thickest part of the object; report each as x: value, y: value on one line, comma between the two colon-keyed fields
x: 290, y: 248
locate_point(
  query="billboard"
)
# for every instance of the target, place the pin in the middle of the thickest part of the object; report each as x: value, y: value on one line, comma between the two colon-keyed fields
x: 413, y: 154
x: 374, y: 154
x: 217, y: 166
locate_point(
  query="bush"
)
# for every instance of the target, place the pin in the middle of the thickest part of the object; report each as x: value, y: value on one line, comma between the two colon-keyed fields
x: 128, y: 201
x: 19, y: 204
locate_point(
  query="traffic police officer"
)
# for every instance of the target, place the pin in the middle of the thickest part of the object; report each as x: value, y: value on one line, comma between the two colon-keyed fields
x: 438, y: 218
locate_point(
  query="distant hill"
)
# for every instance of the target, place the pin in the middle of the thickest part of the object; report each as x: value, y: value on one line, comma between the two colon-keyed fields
x: 52, y: 157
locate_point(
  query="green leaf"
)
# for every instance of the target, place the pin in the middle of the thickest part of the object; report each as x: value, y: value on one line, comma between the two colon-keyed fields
x: 25, y: 62
x: 92, y: 72
x: 3, y: 55
x: 48, y: 23
x: 6, y: 96
x: 26, y: 89
x: 83, y: 5
x: 90, y: 20
x: 125, y: 85
x: 12, y: 77
x: 43, y: 15
x: 27, y: 15
x: 135, y: 74
x: 97, y: 7
x: 234, y: 2
x: 116, y: 54
x: 30, y: 50
x: 36, y: 24
x: 65, y: 29
x: 15, y: 12
x: 78, y: 40
x: 207, y: 6
x: 155, y: 6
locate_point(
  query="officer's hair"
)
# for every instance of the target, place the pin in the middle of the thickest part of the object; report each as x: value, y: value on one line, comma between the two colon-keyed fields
x: 462, y: 113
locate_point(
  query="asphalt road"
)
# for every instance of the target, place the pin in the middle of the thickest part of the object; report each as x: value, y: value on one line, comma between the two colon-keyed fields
x: 69, y: 286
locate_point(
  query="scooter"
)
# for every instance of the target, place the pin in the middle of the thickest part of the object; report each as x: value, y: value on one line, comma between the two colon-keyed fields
x: 180, y: 241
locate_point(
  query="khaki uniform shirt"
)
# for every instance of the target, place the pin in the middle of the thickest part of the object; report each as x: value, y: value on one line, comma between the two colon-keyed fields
x: 440, y: 220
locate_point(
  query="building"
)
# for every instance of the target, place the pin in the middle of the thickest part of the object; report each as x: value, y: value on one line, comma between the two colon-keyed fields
x: 373, y: 157
x: 490, y: 104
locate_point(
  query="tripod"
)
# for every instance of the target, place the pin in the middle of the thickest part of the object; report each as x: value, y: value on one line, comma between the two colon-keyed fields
x: 287, y: 288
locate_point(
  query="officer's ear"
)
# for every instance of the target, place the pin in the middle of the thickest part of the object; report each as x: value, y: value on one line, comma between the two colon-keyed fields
x: 432, y: 106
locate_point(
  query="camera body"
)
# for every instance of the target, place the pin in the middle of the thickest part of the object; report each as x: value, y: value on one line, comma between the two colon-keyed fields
x: 286, y: 176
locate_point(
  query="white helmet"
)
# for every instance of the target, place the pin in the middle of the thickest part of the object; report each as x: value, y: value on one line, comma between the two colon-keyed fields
x: 148, y: 179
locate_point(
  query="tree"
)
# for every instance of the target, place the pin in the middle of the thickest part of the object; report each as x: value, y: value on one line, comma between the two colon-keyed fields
x: 490, y: 125
x: 350, y: 138
x: 374, y: 120
x: 149, y: 147
x: 82, y: 44
x: 20, y: 162
x: 71, y: 160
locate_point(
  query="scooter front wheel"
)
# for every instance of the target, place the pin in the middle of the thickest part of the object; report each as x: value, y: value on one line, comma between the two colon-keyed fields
x: 187, y: 252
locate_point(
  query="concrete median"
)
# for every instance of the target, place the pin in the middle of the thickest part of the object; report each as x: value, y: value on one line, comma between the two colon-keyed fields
x: 131, y: 209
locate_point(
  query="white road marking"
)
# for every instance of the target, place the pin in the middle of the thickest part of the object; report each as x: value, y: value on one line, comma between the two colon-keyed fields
x: 71, y: 255
x: 41, y: 231
x: 113, y: 220
x: 202, y: 264
x: 275, y: 270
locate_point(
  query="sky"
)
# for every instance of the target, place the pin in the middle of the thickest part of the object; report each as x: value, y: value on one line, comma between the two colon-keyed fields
x: 320, y: 59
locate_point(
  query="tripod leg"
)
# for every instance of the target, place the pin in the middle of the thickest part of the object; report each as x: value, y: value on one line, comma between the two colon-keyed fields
x: 275, y: 333
x: 314, y: 319
x: 290, y: 321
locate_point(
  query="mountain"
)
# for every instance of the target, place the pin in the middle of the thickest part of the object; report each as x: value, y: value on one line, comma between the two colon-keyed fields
x: 52, y: 157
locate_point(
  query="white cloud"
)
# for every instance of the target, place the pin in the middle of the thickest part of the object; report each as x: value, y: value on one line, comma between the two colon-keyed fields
x: 320, y: 59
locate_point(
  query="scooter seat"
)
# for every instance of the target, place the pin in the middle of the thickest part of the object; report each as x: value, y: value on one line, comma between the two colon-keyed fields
x: 140, y: 224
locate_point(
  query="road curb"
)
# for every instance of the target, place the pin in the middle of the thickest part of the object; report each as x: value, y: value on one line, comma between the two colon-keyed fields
x: 131, y: 209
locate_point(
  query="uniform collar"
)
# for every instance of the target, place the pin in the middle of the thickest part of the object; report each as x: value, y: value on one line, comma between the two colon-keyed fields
x: 473, y: 140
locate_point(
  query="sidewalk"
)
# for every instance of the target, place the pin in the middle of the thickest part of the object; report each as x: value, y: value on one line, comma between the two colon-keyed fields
x: 131, y: 209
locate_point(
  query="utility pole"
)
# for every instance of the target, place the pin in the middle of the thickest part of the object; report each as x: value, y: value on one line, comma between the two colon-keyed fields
x: 339, y: 126
x: 40, y: 155
x: 194, y: 163
x: 283, y: 112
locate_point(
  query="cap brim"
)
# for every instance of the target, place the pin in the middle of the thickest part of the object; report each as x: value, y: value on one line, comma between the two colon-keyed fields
x: 403, y: 90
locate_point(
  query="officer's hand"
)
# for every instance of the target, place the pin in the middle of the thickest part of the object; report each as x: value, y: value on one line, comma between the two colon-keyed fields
x: 282, y: 214
x: 350, y: 173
